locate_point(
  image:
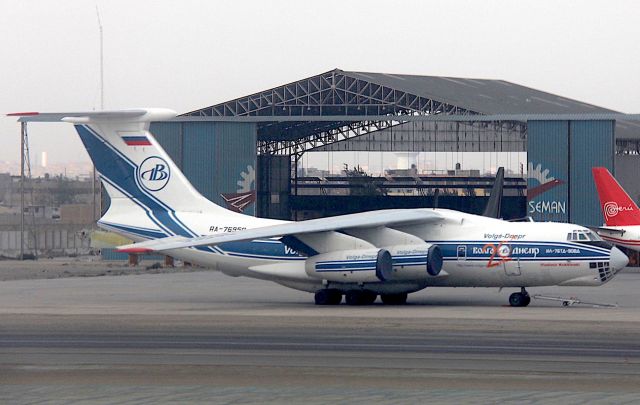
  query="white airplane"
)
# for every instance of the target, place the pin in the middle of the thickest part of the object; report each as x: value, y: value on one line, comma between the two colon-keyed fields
x: 621, y: 214
x: 390, y: 253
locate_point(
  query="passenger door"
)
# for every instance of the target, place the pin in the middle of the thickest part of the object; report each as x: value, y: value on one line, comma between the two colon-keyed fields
x: 461, y: 252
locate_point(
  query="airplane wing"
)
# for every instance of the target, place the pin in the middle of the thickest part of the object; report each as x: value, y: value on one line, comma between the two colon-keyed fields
x: 362, y: 220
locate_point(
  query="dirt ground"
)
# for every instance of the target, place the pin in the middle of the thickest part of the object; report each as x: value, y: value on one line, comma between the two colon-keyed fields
x: 86, y: 266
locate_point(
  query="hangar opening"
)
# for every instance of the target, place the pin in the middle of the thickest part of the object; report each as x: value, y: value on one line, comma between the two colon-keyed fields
x: 252, y: 154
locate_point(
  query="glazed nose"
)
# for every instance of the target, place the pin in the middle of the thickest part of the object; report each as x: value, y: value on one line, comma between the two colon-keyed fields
x: 618, y: 259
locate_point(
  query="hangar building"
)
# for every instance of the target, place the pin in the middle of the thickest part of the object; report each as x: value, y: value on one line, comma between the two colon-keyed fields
x: 243, y: 153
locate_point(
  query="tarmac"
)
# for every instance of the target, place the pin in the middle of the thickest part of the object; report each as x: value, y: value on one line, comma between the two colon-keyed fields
x: 200, y: 336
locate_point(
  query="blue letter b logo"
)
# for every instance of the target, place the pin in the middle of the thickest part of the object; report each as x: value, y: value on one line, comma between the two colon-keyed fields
x: 153, y: 173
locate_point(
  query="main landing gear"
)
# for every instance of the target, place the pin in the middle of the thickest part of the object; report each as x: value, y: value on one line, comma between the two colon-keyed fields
x: 520, y: 299
x: 331, y: 296
x: 394, y: 299
x: 360, y: 297
x: 328, y: 297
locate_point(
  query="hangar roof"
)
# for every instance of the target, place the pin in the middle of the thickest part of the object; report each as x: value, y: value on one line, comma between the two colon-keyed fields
x: 347, y: 93
x: 482, y: 95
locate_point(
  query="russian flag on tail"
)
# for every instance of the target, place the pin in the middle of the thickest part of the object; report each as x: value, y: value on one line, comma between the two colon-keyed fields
x: 136, y: 140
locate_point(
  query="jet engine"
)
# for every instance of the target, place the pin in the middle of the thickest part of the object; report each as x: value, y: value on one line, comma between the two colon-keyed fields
x: 356, y: 266
x: 415, y: 262
x: 404, y: 262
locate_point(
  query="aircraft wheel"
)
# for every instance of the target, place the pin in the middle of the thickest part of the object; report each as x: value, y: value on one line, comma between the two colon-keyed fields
x: 368, y: 297
x: 360, y: 297
x: 394, y: 299
x: 328, y: 297
x: 519, y: 300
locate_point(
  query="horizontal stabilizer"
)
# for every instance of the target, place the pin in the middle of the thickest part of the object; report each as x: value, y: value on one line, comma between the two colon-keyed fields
x: 133, y: 115
x: 151, y: 245
x: 360, y: 220
x: 609, y: 231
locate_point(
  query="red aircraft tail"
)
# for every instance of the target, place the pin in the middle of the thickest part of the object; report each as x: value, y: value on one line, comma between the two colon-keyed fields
x: 617, y: 207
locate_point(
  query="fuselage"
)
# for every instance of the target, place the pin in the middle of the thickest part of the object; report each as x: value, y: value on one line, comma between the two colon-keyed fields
x: 627, y: 236
x: 477, y: 252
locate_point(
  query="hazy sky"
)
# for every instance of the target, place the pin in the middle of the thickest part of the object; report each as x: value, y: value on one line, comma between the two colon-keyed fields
x: 189, y: 54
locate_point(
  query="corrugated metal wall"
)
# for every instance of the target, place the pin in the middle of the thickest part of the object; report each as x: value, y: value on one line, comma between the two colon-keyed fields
x: 561, y: 155
x: 217, y: 157
x: 169, y: 134
x: 627, y: 170
x: 591, y: 144
x: 52, y: 240
x: 274, y: 186
x: 548, y: 170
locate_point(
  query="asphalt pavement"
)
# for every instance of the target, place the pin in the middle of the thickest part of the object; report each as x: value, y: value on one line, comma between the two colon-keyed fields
x: 203, y: 337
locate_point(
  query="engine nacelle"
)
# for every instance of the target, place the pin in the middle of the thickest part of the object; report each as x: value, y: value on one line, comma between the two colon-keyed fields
x: 406, y: 262
x: 415, y: 262
x: 356, y: 266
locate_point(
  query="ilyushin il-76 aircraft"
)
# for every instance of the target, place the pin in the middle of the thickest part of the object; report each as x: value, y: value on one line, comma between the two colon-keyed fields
x: 389, y: 253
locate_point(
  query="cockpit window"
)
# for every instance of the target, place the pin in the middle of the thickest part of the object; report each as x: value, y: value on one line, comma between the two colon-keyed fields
x: 573, y: 236
x: 594, y: 236
x: 583, y: 235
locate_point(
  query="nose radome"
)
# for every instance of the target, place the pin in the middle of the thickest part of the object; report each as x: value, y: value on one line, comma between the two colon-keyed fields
x: 618, y: 259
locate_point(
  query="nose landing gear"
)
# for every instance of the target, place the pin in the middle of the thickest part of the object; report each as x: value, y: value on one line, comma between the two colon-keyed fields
x: 520, y: 299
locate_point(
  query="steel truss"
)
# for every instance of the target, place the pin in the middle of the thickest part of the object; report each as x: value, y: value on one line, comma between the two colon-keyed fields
x: 333, y: 93
x: 353, y: 130
x: 627, y: 146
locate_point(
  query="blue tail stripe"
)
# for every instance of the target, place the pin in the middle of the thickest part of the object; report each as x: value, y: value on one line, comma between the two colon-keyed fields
x: 112, y: 166
x: 134, y: 188
x: 138, y: 203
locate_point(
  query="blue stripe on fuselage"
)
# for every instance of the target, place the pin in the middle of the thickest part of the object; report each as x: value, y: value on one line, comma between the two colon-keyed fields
x: 538, y: 250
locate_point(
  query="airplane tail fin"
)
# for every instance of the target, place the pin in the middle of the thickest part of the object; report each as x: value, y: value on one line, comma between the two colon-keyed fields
x: 494, y: 205
x: 618, y: 208
x: 145, y: 186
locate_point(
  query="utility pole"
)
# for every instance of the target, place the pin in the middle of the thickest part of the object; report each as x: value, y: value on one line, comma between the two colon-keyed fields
x: 101, y: 61
x: 23, y: 134
x: 25, y: 175
x: 93, y: 175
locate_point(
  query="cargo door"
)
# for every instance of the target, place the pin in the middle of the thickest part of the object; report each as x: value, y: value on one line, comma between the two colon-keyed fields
x: 512, y: 267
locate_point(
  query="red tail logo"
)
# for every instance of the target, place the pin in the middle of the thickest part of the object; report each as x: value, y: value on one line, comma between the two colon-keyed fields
x: 617, y: 207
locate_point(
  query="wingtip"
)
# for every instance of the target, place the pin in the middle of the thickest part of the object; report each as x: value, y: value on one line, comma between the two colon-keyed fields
x: 23, y: 114
x: 134, y: 250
